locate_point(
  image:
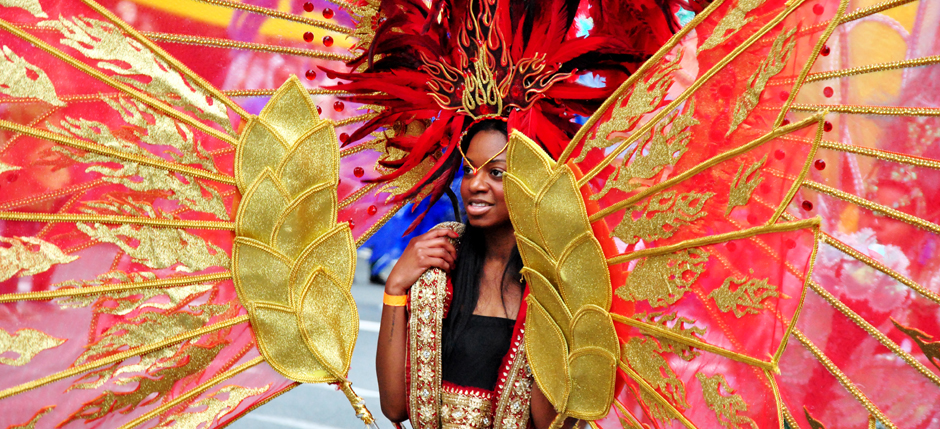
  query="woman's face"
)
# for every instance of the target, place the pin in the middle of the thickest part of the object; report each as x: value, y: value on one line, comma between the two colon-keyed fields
x: 482, y: 192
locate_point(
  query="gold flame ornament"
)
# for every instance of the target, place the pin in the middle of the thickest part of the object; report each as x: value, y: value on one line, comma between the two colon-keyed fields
x: 293, y: 262
x: 570, y: 337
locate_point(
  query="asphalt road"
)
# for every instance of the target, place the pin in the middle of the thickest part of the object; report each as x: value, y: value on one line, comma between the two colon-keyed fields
x: 321, y: 406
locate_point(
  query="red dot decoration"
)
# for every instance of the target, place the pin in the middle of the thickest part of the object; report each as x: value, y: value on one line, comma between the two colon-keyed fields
x: 327, y: 41
x: 807, y: 205
x: 731, y: 246
x: 352, y: 223
x: 825, y: 51
x: 789, y: 243
x: 358, y: 172
x: 343, y: 137
x: 827, y: 126
x: 328, y: 13
x: 764, y: 188
x: 311, y: 75
x: 751, y: 219
x: 827, y: 91
x: 319, y: 110
x: 308, y: 6
x: 819, y: 164
x: 819, y: 9
x: 372, y: 210
x: 308, y: 36
x: 779, y: 154
x: 338, y: 106
x: 785, y: 122
x: 784, y: 95
x: 13, y: 177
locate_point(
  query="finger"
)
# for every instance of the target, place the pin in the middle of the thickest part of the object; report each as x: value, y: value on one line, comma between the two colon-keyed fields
x: 445, y: 245
x: 439, y: 263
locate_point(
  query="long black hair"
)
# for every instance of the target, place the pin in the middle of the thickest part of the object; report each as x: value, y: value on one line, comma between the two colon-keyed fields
x: 465, y: 277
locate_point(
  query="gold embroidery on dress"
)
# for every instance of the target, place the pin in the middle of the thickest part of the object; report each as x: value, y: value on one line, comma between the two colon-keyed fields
x: 646, y: 96
x: 16, y: 80
x: 669, y: 208
x: 7, y: 167
x: 728, y: 408
x: 464, y: 409
x: 773, y: 64
x: 19, y: 348
x: 744, y: 184
x: 662, y: 280
x: 661, y: 149
x: 27, y: 256
x: 746, y: 298
x: 512, y: 407
x: 731, y: 23
x: 160, y: 247
x: 31, y: 424
x: 931, y: 349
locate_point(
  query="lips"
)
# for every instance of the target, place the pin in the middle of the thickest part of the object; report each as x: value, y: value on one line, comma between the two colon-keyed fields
x: 478, y: 207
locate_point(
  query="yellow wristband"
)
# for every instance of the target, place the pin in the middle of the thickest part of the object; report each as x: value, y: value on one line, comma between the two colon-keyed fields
x: 395, y: 300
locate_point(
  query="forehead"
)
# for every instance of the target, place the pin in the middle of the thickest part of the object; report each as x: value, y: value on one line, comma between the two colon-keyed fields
x: 485, y: 144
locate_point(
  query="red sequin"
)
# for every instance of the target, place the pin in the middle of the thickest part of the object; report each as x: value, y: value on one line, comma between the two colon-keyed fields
x: 807, y: 205
x: 308, y: 36
x: 352, y: 223
x: 827, y: 91
x: 319, y: 110
x: 308, y: 6
x: 785, y: 122
x: 818, y: 9
x: 338, y: 106
x: 311, y: 75
x: 731, y: 246
x: 784, y: 95
x: 343, y: 137
x: 327, y: 41
x: 779, y: 154
x: 358, y: 172
x: 789, y: 243
x: 819, y: 164
x: 825, y: 51
x: 373, y: 210
x: 328, y: 13
x: 827, y: 126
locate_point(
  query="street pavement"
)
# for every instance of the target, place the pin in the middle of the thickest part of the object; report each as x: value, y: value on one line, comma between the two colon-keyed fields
x: 321, y: 406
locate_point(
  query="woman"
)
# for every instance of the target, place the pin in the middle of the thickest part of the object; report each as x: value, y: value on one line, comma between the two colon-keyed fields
x: 484, y: 380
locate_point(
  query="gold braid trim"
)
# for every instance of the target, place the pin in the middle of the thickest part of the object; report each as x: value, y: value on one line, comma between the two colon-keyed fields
x: 798, y: 181
x: 888, y: 211
x: 871, y: 68
x: 357, y: 195
x: 116, y: 287
x: 196, y: 391
x: 627, y: 84
x: 843, y: 379
x: 247, y: 46
x: 715, y: 239
x: 106, y: 151
x: 869, y: 110
x: 658, y: 331
x: 269, y: 399
x: 167, y: 57
x: 281, y: 15
x: 32, y: 199
x: 882, y: 154
x: 874, y: 332
x: 75, y: 218
x: 378, y: 224
x: 124, y: 88
x: 352, y: 120
x: 655, y: 395
x: 75, y: 370
x: 704, y: 78
x: 848, y: 250
x: 424, y: 349
x: 269, y: 92
x: 789, y: 417
x: 704, y: 165
x: 854, y: 16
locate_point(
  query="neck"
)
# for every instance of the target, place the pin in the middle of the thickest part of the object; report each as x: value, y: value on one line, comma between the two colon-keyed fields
x: 499, y: 242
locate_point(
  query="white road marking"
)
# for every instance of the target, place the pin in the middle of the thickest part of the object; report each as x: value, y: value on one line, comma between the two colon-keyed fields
x: 368, y: 325
x: 285, y: 421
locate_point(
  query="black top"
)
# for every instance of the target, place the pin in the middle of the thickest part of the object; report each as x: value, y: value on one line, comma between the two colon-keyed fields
x: 478, y: 352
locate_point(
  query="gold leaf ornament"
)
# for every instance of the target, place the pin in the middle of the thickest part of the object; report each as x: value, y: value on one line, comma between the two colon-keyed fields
x: 293, y: 263
x: 16, y: 80
x: 29, y: 256
x: 570, y: 338
x: 31, y: 6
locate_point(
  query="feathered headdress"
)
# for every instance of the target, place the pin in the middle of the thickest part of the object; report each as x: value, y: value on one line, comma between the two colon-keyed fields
x: 435, y: 68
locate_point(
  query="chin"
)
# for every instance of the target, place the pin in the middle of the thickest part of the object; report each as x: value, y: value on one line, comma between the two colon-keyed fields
x: 487, y: 222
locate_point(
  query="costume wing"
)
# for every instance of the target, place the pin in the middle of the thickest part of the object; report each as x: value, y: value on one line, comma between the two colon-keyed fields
x: 764, y: 138
x: 165, y: 226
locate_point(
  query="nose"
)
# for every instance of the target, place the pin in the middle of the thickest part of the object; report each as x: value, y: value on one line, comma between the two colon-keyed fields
x: 478, y: 182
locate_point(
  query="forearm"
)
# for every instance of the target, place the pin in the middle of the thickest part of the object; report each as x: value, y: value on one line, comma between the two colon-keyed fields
x: 390, y: 363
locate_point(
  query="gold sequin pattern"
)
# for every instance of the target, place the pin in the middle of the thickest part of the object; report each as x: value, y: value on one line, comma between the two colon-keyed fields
x: 744, y: 184
x: 31, y: 424
x: 16, y: 80
x: 772, y: 65
x: 663, y: 280
x: 746, y: 297
x: 731, y: 23
x: 31, y: 6
x: 24, y: 344
x: 209, y: 409
x: 668, y: 209
x: 424, y: 347
x: 466, y: 410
